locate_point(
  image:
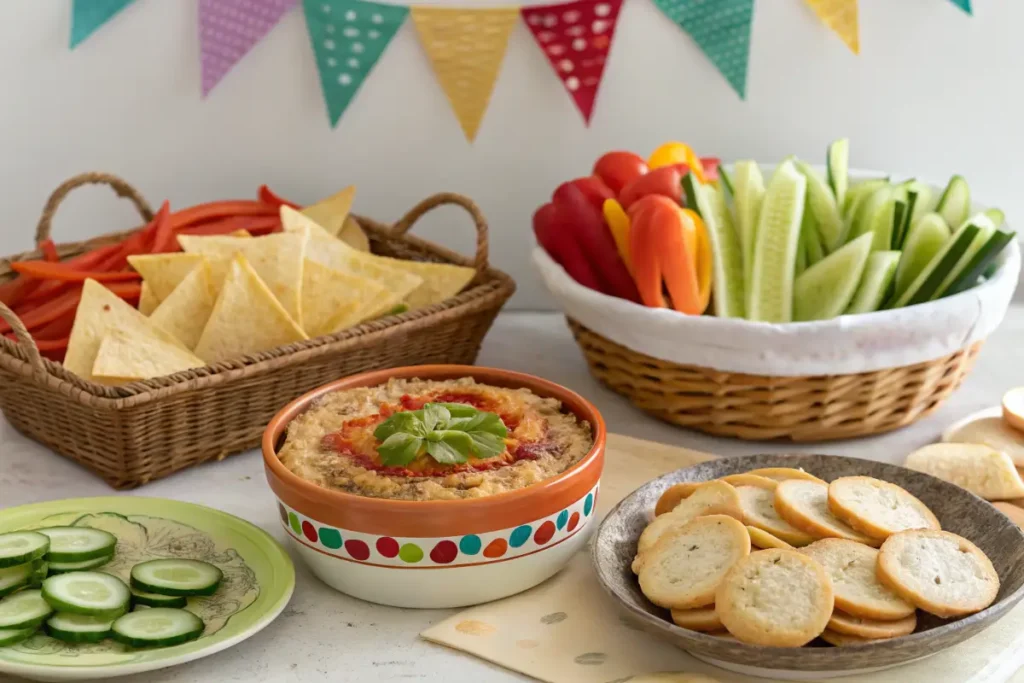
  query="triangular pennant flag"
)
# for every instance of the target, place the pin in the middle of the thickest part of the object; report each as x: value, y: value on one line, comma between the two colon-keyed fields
x: 466, y: 48
x: 576, y: 37
x: 965, y: 5
x: 348, y: 38
x: 841, y: 17
x: 228, y: 29
x: 89, y: 15
x: 721, y: 29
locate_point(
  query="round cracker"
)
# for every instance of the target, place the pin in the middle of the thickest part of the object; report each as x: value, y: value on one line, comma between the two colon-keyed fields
x: 699, y: 619
x: 845, y: 639
x: 784, y: 473
x: 762, y: 539
x: 1013, y: 409
x: 779, y: 598
x: 871, y: 628
x: 685, y: 566
x: 748, y: 479
x: 758, y: 506
x: 674, y: 495
x: 804, y: 504
x: 851, y: 566
x: 878, y: 508
x: 938, y: 571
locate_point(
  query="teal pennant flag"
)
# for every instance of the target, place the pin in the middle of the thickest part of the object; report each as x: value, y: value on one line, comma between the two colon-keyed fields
x: 722, y: 30
x: 965, y: 5
x: 89, y: 15
x: 348, y: 38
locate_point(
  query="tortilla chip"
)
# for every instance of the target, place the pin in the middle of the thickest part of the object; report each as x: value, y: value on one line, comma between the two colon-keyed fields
x: 352, y: 234
x: 246, y: 317
x: 99, y: 312
x: 332, y: 215
x: 164, y: 272
x: 277, y: 259
x: 440, y: 280
x: 333, y: 300
x: 240, y: 233
x: 147, y: 299
x: 125, y: 357
x: 185, y: 312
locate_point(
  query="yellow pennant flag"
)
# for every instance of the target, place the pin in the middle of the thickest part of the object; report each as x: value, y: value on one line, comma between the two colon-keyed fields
x: 466, y: 48
x: 841, y: 17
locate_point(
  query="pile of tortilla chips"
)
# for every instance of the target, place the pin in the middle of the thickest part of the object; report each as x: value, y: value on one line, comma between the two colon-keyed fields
x: 228, y: 296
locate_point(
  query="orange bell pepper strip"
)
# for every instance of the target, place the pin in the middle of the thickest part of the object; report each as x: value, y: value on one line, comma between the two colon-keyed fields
x: 703, y: 256
x: 672, y: 153
x: 44, y: 270
x: 660, y: 240
x: 618, y: 223
x: 201, y: 213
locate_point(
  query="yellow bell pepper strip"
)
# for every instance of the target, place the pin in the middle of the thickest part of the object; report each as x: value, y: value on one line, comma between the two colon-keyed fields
x: 659, y: 238
x: 672, y: 153
x: 618, y: 222
x: 703, y: 256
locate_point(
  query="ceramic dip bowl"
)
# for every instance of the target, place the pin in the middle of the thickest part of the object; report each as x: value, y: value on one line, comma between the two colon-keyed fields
x: 438, y: 553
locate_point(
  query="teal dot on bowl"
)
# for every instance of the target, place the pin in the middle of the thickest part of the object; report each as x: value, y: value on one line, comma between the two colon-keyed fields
x: 294, y: 521
x: 470, y: 545
x: 588, y: 504
x: 330, y: 538
x: 563, y: 517
x: 520, y: 536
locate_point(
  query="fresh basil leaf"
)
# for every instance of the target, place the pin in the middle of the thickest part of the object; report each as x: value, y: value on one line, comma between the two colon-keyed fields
x: 400, y: 449
x: 405, y: 422
x: 435, y: 416
x: 489, y: 423
x: 486, y: 445
x: 449, y: 447
x: 460, y: 409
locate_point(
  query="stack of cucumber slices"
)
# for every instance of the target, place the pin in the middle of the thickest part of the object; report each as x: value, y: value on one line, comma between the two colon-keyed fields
x: 49, y: 582
x: 811, y: 248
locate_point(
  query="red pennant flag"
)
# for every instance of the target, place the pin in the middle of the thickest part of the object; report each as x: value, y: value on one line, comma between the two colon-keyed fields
x: 576, y: 37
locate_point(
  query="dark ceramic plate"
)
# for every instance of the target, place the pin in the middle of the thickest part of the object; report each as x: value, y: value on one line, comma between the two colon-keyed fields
x: 959, y: 511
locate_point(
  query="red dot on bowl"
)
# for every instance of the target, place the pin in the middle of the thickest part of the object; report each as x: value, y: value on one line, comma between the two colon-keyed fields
x: 444, y: 552
x: 358, y: 550
x: 573, y: 521
x: 544, y: 533
x: 387, y: 546
x: 496, y: 548
x: 309, y: 530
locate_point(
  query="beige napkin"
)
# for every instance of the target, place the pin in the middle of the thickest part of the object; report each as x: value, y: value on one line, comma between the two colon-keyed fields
x: 568, y: 631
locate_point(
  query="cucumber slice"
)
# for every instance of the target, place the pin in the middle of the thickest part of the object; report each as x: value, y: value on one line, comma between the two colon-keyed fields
x: 40, y: 570
x: 944, y: 260
x: 78, y: 543
x: 882, y: 225
x: 726, y: 180
x: 65, y: 567
x: 822, y: 203
x: 801, y: 256
x: 985, y: 232
x: 78, y: 628
x: 176, y: 577
x: 837, y: 162
x: 770, y: 295
x: 157, y: 600
x: 26, y: 609
x: 19, y: 547
x: 93, y: 594
x: 899, y: 216
x: 980, y: 264
x: 906, y: 218
x: 826, y: 288
x: 955, y: 203
x: 14, y: 578
x: 925, y: 201
x: 875, y: 282
x: 157, y: 627
x: 747, y: 200
x: 856, y: 194
x: 924, y: 240
x: 812, y: 238
x: 727, y: 256
x: 867, y: 215
x: 996, y: 216
x: 13, y: 636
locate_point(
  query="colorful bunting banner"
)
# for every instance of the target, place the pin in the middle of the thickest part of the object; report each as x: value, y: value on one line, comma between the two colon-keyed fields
x: 228, y: 29
x: 576, y: 37
x: 965, y: 5
x: 348, y: 38
x: 466, y: 48
x: 89, y: 15
x: 841, y: 17
x: 721, y: 29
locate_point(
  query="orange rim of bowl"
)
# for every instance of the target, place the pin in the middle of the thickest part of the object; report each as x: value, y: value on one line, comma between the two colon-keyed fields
x: 435, y: 518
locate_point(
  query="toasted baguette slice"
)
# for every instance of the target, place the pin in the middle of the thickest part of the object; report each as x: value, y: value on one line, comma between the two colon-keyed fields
x: 674, y: 495
x: 747, y: 479
x: 804, y: 504
x: 851, y: 566
x: 871, y: 628
x: 845, y: 640
x: 761, y: 539
x: 878, y: 508
x: 784, y: 473
x: 1013, y: 409
x: 699, y: 619
x: 759, y: 511
x: 980, y: 469
x: 990, y: 428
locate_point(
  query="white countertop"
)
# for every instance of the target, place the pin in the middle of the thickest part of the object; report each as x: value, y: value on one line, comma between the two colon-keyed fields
x: 326, y: 636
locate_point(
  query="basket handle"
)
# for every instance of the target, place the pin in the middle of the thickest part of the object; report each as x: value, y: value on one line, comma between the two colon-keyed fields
x: 118, y: 185
x: 440, y: 199
x: 23, y: 337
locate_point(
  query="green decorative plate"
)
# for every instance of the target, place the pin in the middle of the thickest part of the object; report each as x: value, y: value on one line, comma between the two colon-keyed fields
x: 258, y: 581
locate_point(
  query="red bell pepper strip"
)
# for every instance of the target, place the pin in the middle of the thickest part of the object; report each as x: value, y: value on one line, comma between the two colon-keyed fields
x: 201, y: 213
x: 49, y: 250
x: 586, y: 224
x: 661, y: 236
x: 45, y: 270
x: 710, y: 165
x: 592, y: 187
x: 268, y: 196
x: 255, y: 225
x: 558, y: 242
x: 58, y: 329
x: 618, y: 169
x: 665, y: 181
x: 163, y: 231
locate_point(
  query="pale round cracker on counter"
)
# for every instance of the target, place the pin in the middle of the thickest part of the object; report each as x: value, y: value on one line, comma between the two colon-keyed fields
x: 674, y: 495
x: 1013, y: 409
x: 804, y: 504
x: 845, y: 639
x: 760, y: 538
x: 784, y: 473
x: 979, y: 468
x: 685, y: 566
x: 778, y: 598
x: 938, y: 571
x: 852, y: 566
x: 747, y: 479
x: 871, y: 628
x: 698, y: 619
x: 989, y: 428
x: 878, y: 508
x: 759, y: 511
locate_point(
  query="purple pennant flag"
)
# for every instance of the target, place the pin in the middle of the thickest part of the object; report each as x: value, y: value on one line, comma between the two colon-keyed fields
x: 228, y: 29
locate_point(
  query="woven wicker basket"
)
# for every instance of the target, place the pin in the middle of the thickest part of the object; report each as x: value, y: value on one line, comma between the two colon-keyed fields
x: 135, y: 433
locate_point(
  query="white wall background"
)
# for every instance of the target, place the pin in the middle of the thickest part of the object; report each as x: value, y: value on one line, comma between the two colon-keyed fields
x: 934, y: 92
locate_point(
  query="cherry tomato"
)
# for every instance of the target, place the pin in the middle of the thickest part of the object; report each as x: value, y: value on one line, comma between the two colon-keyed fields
x: 618, y: 169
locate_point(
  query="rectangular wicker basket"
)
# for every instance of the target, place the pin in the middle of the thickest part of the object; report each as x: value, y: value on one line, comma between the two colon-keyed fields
x: 135, y: 433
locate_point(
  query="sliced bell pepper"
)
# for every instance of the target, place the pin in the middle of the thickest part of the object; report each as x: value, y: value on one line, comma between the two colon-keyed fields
x: 618, y: 222
x: 255, y: 225
x: 618, y: 169
x: 163, y: 231
x: 592, y: 187
x: 558, y: 242
x: 710, y: 166
x: 49, y: 311
x: 44, y: 270
x: 268, y: 196
x: 665, y: 181
x: 704, y: 258
x: 672, y: 153
x: 660, y: 238
x: 49, y: 250
x: 201, y: 213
